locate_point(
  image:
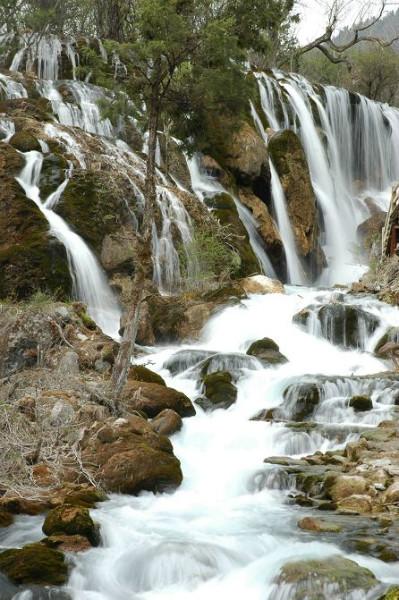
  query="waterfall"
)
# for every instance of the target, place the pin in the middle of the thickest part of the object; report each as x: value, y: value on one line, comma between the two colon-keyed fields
x: 89, y: 281
x: 12, y: 89
x: 205, y: 185
x: 295, y: 270
x: 351, y: 145
x: 41, y: 54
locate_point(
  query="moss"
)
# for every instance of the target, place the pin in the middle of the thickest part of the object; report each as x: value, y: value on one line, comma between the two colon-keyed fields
x: 6, y: 518
x: 87, y: 321
x: 391, y: 594
x: 34, y: 564
x: 24, y: 142
x: 218, y: 390
x: 52, y: 174
x: 266, y: 350
x: 92, y: 204
x: 140, y: 373
x: 85, y: 498
x: 361, y: 403
x: 71, y: 520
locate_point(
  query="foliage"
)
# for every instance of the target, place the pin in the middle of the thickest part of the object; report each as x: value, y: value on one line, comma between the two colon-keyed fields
x: 207, y: 259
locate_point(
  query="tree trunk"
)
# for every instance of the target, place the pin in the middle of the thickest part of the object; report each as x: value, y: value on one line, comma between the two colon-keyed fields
x: 143, y: 269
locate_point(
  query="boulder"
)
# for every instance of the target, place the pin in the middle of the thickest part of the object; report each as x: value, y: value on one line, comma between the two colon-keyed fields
x: 371, y: 228
x: 34, y: 563
x: 24, y: 142
x: 259, y: 284
x: 167, y: 422
x: 267, y: 351
x: 332, y: 577
x: 219, y: 391
x: 291, y: 165
x: 6, y: 518
x: 118, y: 251
x: 153, y: 398
x: 68, y: 543
x: 347, y: 485
x: 301, y: 400
x: 356, y: 504
x: 361, y: 403
x: 318, y: 525
x: 71, y: 520
x: 141, y: 373
x: 126, y: 456
x: 391, y: 335
x: 247, y: 157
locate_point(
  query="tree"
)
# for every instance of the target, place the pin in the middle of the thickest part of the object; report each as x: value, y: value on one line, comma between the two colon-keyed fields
x: 360, y: 32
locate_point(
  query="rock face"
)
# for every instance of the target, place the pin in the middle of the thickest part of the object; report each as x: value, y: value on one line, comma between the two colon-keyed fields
x: 153, y: 398
x: 290, y: 162
x: 267, y: 351
x: 342, y: 324
x: 126, y: 456
x: 247, y: 157
x: 30, y: 260
x: 333, y: 577
x: 35, y: 564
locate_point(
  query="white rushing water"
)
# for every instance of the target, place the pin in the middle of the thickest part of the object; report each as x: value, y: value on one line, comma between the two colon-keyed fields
x: 90, y: 284
x: 226, y: 531
x: 350, y: 144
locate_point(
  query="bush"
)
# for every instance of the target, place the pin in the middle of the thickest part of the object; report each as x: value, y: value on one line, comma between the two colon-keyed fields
x: 207, y: 260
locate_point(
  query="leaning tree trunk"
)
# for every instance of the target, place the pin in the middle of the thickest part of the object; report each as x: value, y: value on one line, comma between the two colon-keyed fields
x: 126, y: 348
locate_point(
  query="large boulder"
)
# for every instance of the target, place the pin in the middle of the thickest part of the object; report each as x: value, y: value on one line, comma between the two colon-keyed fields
x: 126, y: 456
x: 332, y: 577
x: 342, y: 324
x: 291, y: 165
x: 247, y: 158
x: 167, y: 422
x: 259, y: 284
x: 300, y: 401
x: 30, y: 259
x: 267, y: 351
x: 153, y: 398
x: 34, y: 563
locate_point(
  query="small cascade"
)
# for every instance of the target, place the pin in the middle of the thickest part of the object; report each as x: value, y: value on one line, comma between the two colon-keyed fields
x: 296, y: 274
x: 12, y: 89
x: 41, y: 55
x: 204, y: 186
x: 89, y: 282
x: 85, y: 114
x: 166, y: 260
x: 7, y: 129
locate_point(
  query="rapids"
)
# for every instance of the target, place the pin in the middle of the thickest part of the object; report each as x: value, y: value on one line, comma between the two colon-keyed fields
x: 228, y: 529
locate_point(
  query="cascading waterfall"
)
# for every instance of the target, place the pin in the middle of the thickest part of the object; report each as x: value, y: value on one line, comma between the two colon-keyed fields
x: 41, y: 54
x: 296, y: 274
x: 350, y: 145
x: 89, y: 282
x: 203, y: 185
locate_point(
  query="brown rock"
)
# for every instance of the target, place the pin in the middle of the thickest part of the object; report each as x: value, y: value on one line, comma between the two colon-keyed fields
x: 167, y: 422
x: 347, y: 485
x: 259, y: 284
x: 68, y: 543
x: 318, y: 525
x: 71, y: 520
x: 153, y: 398
x: 355, y: 504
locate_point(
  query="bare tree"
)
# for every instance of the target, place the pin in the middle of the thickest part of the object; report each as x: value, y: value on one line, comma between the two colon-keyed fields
x: 359, y: 32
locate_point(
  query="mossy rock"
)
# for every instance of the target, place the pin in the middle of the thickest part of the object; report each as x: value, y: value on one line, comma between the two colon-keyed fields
x: 361, y: 403
x: 93, y: 205
x: 85, y: 498
x: 267, y: 351
x: 71, y: 520
x: 34, y: 564
x: 391, y: 594
x: 313, y: 579
x: 141, y: 373
x: 6, y: 518
x: 219, y: 391
x: 301, y: 401
x: 221, y: 202
x: 24, y: 142
x: 30, y: 259
x: 53, y: 173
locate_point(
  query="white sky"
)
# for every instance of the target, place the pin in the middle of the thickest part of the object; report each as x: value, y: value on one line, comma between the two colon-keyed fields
x: 314, y: 14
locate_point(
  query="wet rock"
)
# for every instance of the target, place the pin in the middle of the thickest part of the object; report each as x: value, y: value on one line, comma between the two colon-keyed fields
x: 153, y: 398
x: 68, y: 543
x: 71, y: 520
x: 185, y: 359
x: 341, y: 324
x: 141, y: 373
x: 167, y: 422
x: 259, y: 284
x: 118, y: 251
x: 355, y: 504
x: 24, y: 142
x: 391, y: 335
x: 233, y: 362
x: 301, y: 400
x: 127, y: 456
x: 34, y: 563
x: 267, y: 351
x: 347, y: 485
x: 371, y: 228
x: 6, y: 518
x: 361, y: 403
x: 333, y: 577
x: 219, y: 391
x: 247, y: 157
x: 318, y: 525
